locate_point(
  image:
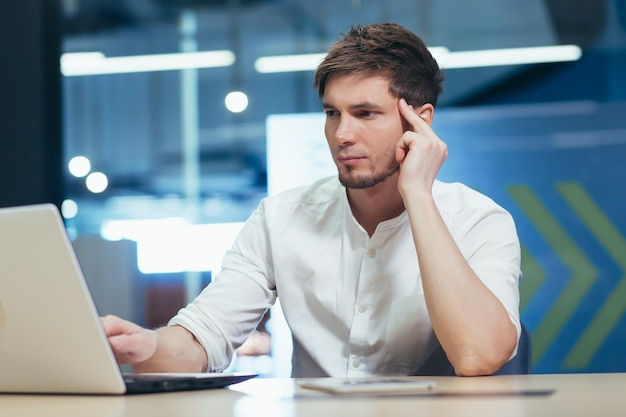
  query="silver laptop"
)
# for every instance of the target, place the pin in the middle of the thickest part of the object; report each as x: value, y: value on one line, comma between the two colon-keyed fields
x: 51, y: 336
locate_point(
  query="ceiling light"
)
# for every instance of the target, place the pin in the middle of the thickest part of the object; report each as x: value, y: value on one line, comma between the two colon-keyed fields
x: 445, y: 58
x: 508, y: 56
x: 96, y: 63
x: 288, y: 63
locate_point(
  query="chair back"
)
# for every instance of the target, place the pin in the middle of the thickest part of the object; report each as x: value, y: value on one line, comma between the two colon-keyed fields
x: 522, y: 362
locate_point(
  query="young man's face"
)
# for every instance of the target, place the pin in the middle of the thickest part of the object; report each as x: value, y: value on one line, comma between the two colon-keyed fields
x: 363, y: 126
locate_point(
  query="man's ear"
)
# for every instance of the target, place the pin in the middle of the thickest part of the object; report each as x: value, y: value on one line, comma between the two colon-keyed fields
x: 426, y: 112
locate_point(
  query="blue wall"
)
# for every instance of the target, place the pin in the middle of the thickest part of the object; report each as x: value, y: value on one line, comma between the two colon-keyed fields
x: 558, y: 168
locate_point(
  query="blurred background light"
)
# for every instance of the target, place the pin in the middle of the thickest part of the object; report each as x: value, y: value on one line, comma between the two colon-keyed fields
x: 69, y: 208
x: 79, y: 166
x: 97, y: 182
x: 236, y: 101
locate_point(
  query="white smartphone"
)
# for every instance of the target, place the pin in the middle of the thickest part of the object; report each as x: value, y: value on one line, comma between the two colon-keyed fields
x: 367, y: 385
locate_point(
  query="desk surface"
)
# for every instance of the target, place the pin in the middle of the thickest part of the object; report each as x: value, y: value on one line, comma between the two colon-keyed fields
x: 573, y: 395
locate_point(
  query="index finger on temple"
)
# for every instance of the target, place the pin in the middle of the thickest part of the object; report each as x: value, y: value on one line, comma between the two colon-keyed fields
x: 408, y: 112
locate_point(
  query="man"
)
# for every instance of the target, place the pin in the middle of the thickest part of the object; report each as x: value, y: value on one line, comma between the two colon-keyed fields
x: 376, y: 269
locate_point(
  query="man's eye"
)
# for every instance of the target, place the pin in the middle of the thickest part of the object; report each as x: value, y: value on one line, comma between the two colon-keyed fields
x: 365, y: 113
x: 331, y: 113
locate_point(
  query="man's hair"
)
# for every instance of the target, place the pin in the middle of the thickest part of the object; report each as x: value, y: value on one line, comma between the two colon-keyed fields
x: 389, y: 50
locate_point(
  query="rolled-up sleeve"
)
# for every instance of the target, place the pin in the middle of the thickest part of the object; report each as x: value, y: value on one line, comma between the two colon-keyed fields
x: 229, y: 309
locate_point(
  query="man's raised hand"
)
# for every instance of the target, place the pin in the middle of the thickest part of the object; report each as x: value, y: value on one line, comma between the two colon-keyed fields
x: 420, y: 152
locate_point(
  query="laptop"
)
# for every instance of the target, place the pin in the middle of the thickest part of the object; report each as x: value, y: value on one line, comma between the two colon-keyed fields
x: 51, y: 337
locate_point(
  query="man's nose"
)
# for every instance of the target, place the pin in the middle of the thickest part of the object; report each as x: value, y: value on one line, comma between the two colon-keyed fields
x: 345, y: 132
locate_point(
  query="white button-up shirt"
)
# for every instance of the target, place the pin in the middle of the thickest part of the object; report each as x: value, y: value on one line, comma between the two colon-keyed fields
x: 354, y: 304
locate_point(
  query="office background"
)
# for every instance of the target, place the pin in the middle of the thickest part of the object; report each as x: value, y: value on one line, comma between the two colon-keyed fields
x: 545, y: 140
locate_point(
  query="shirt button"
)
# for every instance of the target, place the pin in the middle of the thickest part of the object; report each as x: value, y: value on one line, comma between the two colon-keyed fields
x: 362, y: 308
x: 356, y: 363
x: 371, y: 253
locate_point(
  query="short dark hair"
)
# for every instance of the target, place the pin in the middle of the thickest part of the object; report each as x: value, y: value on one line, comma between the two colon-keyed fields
x: 385, y: 49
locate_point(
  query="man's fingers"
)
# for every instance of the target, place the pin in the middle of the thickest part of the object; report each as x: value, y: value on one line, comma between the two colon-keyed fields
x: 132, y: 348
x: 114, y: 326
x: 130, y: 342
x: 124, y: 350
x: 418, y: 124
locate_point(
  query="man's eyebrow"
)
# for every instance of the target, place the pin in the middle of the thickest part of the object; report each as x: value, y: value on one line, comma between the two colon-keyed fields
x: 355, y: 106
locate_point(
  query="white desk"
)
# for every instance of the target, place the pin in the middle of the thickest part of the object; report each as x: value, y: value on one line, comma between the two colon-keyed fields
x: 597, y: 395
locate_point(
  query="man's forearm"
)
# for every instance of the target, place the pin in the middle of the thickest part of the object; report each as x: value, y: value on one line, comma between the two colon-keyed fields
x: 470, y: 322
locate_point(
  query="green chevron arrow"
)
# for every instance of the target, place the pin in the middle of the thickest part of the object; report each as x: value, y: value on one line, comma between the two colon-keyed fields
x: 612, y: 310
x: 583, y: 272
x: 532, y: 279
